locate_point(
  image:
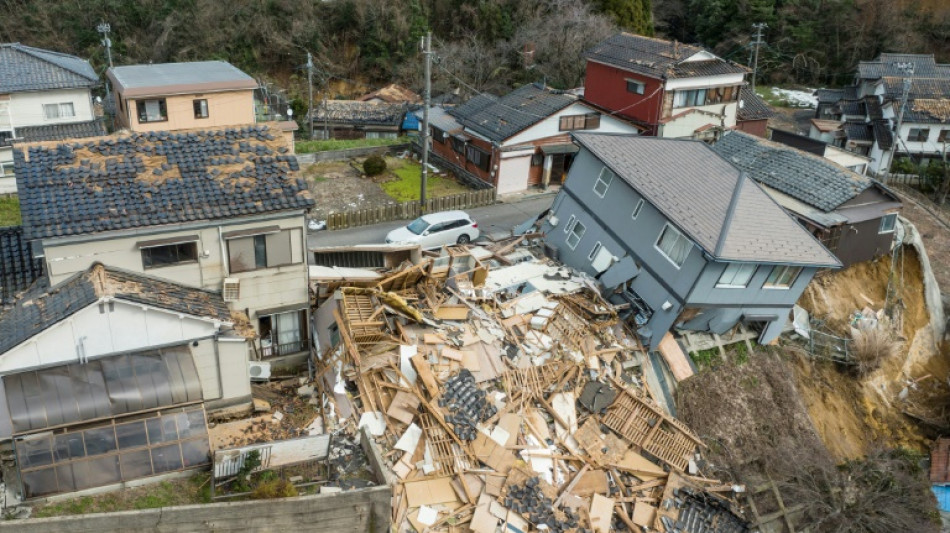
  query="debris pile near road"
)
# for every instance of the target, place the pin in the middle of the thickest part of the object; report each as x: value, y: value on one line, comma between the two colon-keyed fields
x: 504, y: 391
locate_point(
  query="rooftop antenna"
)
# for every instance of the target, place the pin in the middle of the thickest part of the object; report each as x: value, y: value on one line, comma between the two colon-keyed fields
x: 104, y: 28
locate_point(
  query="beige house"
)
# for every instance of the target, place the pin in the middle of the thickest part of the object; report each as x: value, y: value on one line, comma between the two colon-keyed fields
x: 220, y: 210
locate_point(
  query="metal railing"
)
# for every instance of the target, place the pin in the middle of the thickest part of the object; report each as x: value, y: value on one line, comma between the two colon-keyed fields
x: 277, y: 350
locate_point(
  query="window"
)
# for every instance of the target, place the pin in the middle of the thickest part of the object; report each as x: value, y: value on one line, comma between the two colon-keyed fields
x: 593, y: 251
x: 151, y: 110
x: 736, y: 276
x: 944, y: 136
x: 255, y: 252
x: 673, y: 245
x: 171, y: 254
x: 537, y: 160
x: 6, y: 137
x: 636, y: 209
x: 603, y: 182
x: 283, y: 333
x: 918, y: 135
x: 570, y: 223
x: 574, y: 236
x: 888, y: 222
x: 590, y: 121
x: 438, y: 134
x: 63, y: 110
x: 635, y: 87
x: 458, y: 145
x: 782, y: 277
x: 201, y: 108
x: 478, y: 157
x: 693, y: 97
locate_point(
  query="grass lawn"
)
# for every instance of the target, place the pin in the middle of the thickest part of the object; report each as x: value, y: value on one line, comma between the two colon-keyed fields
x: 194, y: 489
x: 306, y: 147
x: 9, y: 211
x: 405, y: 186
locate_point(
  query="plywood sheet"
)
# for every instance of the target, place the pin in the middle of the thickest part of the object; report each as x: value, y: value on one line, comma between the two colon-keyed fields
x: 675, y: 358
x: 430, y: 491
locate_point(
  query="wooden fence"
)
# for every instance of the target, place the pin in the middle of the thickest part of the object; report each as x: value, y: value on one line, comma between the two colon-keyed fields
x: 408, y: 210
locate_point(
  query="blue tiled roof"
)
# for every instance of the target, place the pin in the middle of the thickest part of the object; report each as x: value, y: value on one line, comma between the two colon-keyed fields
x: 18, y: 268
x: 24, y: 68
x: 149, y: 179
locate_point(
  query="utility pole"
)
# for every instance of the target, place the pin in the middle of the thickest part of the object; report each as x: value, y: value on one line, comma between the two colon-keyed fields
x: 310, y: 91
x: 427, y: 51
x: 759, y: 26
x: 104, y: 28
x: 908, y: 70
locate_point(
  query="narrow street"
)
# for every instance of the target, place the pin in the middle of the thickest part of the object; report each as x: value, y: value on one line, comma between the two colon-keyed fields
x: 495, y: 220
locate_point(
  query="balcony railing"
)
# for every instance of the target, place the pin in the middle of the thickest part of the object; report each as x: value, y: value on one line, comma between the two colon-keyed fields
x: 277, y: 350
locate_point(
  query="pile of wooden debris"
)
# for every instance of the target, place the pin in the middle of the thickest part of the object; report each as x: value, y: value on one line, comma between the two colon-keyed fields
x: 505, y: 392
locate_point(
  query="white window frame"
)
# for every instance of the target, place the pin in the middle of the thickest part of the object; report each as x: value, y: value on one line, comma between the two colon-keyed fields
x: 779, y: 272
x: 636, y: 209
x: 882, y: 228
x: 640, y: 86
x: 59, y: 109
x: 570, y: 221
x: 680, y: 235
x: 605, y: 182
x: 594, y: 251
x: 734, y: 272
x: 577, y: 234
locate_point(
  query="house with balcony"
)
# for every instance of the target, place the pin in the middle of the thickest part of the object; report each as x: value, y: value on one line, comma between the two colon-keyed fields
x: 519, y: 140
x: 681, y: 235
x: 44, y: 95
x: 669, y: 88
x: 219, y: 209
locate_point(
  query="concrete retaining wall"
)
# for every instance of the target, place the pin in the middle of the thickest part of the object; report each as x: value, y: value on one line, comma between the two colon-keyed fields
x: 338, y: 155
x: 354, y: 511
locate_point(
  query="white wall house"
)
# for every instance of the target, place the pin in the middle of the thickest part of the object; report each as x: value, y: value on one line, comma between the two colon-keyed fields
x: 43, y: 95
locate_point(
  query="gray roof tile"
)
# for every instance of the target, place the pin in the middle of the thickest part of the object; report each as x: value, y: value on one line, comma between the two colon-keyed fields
x: 24, y: 68
x: 43, y: 307
x: 360, y: 113
x: 18, y: 268
x: 61, y: 132
x: 694, y: 188
x: 516, y: 111
x: 753, y: 107
x: 890, y: 64
x: 658, y: 58
x: 155, y: 178
x: 804, y: 176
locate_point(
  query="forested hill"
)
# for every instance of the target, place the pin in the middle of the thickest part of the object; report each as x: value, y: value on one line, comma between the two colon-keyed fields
x: 481, y: 44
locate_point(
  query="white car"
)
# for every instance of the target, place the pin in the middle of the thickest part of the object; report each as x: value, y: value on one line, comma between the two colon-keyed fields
x: 436, y: 229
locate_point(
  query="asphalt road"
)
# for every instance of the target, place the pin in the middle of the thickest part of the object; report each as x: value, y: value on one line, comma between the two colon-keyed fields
x: 496, y: 220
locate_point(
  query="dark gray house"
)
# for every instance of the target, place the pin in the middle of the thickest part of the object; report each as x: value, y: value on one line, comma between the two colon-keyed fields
x: 852, y: 215
x: 682, y: 235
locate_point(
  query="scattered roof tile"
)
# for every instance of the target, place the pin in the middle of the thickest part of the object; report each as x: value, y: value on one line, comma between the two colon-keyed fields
x: 155, y: 178
x: 24, y: 68
x: 360, y: 113
x: 659, y: 58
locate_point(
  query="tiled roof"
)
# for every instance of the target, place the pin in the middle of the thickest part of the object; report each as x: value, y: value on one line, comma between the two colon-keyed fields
x: 512, y: 113
x: 868, y: 107
x: 156, y: 178
x: 392, y: 94
x: 39, y: 309
x: 919, y: 88
x: 473, y: 105
x: 753, y: 107
x: 858, y: 131
x: 359, y: 113
x: 829, y: 96
x: 18, y: 268
x: 807, y: 177
x: 801, y: 142
x: 883, y: 135
x: 891, y: 64
x: 61, y: 132
x: 658, y: 58
x: 928, y: 110
x: 24, y: 68
x: 717, y: 206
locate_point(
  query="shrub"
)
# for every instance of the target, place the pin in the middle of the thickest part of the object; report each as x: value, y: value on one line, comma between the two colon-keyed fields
x: 274, y: 488
x: 374, y: 165
x: 870, y: 347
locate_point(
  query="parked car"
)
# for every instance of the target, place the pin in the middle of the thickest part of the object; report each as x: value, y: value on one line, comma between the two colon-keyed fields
x: 436, y: 229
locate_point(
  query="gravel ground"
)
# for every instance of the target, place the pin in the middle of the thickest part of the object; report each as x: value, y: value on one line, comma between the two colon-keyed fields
x: 336, y: 186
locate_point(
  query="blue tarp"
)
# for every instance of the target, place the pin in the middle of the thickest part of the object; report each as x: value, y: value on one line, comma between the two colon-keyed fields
x: 942, y: 492
x: 410, y: 123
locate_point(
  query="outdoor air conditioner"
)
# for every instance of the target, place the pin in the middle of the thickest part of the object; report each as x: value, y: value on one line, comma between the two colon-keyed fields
x: 258, y: 371
x: 231, y: 289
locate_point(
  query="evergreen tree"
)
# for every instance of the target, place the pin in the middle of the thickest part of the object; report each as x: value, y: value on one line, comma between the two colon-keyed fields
x: 631, y: 15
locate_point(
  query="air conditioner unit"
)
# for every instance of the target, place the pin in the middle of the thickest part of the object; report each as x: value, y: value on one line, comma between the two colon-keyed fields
x: 258, y: 371
x: 231, y: 290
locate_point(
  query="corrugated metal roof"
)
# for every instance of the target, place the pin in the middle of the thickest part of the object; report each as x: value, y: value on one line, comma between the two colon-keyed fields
x: 173, y: 74
x: 695, y: 188
x: 24, y: 68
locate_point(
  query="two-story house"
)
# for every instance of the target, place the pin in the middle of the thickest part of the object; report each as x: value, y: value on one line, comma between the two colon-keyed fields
x: 106, y: 376
x: 671, y: 89
x: 218, y: 209
x: 683, y: 236
x: 854, y: 216
x: 44, y: 95
x: 519, y: 140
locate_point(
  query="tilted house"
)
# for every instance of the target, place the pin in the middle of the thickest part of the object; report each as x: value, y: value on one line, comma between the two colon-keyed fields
x: 44, y: 95
x: 852, y: 215
x: 670, y: 88
x: 105, y: 378
x: 519, y: 140
x: 220, y: 210
x: 683, y: 236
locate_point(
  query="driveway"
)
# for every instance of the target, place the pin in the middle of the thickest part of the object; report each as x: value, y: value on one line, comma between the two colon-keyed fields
x: 496, y: 220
